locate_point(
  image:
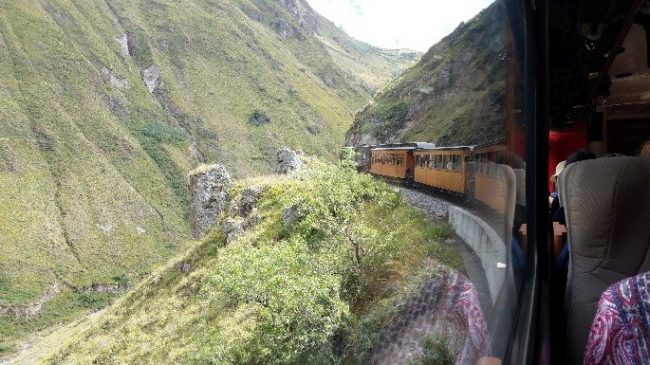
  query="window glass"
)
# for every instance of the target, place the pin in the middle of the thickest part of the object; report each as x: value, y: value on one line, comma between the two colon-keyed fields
x: 490, y: 222
x: 479, y: 166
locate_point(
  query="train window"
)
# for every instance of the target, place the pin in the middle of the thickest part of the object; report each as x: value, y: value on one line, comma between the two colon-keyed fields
x: 491, y: 222
x: 424, y: 161
x: 487, y: 83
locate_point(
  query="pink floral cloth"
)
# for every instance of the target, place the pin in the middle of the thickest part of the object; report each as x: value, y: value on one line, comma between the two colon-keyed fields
x: 620, y: 333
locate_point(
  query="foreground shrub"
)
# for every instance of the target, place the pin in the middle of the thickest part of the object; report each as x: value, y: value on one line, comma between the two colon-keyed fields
x: 315, y: 281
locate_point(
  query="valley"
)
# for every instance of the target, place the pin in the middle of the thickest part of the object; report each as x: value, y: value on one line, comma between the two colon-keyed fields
x: 105, y: 106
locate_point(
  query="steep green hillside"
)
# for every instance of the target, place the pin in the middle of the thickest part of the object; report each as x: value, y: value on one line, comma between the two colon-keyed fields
x: 332, y: 258
x: 362, y: 64
x: 373, y: 68
x: 454, y: 95
x: 104, y: 108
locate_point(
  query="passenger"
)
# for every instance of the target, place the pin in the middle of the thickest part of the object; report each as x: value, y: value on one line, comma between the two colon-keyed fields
x: 620, y: 332
x: 562, y: 142
x: 554, y: 201
x: 644, y: 149
x: 579, y: 155
x: 562, y: 261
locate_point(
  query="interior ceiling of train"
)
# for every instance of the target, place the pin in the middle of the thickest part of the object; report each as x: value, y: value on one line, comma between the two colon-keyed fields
x: 599, y: 58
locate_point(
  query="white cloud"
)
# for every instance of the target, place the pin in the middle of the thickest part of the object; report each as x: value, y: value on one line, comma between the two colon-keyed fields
x: 415, y: 24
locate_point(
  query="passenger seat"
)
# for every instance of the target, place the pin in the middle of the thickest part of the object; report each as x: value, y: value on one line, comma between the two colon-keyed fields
x: 607, y: 208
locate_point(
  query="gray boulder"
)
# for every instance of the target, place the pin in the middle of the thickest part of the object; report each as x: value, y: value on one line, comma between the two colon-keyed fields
x: 248, y: 200
x: 236, y: 227
x: 287, y: 161
x: 151, y: 77
x: 123, y: 42
x: 209, y: 187
x: 293, y: 214
x: 259, y: 118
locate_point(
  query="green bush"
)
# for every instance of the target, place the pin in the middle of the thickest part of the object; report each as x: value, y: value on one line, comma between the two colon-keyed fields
x: 293, y: 296
x: 163, y: 133
x: 307, y: 290
x: 435, y: 352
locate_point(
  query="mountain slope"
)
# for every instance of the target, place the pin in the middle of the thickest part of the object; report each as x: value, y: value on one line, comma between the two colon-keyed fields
x: 370, y: 66
x: 363, y: 64
x: 314, y: 289
x: 454, y: 95
x: 104, y: 108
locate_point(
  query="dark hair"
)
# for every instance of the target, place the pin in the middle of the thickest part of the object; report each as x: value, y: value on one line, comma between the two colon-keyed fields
x: 579, y: 155
x: 644, y: 149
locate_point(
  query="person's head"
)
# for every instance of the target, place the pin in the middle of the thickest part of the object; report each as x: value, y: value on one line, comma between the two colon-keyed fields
x: 579, y: 155
x: 644, y: 149
x: 612, y: 155
x: 558, y: 170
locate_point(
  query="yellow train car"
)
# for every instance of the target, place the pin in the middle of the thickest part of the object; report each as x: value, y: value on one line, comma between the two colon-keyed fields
x: 489, y: 183
x: 393, y: 162
x: 443, y: 168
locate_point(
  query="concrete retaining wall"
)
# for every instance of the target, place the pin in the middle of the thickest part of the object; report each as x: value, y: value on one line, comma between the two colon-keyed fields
x: 486, y: 243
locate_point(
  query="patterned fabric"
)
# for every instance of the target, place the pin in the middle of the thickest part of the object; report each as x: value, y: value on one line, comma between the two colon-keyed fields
x: 468, y: 319
x: 447, y: 307
x: 620, y: 333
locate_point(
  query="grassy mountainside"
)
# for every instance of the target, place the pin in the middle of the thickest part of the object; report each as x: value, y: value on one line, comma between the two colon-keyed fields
x: 373, y: 68
x: 362, y: 64
x: 104, y: 108
x: 454, y: 95
x: 316, y: 288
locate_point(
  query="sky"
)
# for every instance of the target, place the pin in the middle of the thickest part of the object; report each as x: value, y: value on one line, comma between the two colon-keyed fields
x: 414, y: 24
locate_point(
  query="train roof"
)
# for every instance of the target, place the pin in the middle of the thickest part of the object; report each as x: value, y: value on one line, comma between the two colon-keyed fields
x: 406, y: 145
x: 449, y: 148
x: 394, y: 149
x: 425, y: 146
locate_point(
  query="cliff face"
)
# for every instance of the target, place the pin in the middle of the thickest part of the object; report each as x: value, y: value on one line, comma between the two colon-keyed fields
x: 105, y: 106
x: 454, y: 95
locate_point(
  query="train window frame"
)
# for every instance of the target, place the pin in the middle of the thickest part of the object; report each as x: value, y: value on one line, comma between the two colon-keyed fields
x: 529, y: 334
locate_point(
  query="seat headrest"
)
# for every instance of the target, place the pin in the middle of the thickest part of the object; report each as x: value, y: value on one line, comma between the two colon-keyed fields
x: 607, y: 202
x: 607, y: 207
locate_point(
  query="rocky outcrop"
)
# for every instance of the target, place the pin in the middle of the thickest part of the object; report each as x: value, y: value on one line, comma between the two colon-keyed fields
x: 304, y: 14
x: 242, y: 214
x: 259, y: 118
x: 115, y: 81
x: 360, y: 139
x: 185, y: 267
x: 248, y: 201
x: 234, y: 228
x: 285, y: 30
x: 27, y: 311
x: 293, y: 214
x: 123, y: 42
x: 287, y: 161
x: 151, y: 77
x: 195, y: 153
x: 209, y: 187
x: 314, y: 129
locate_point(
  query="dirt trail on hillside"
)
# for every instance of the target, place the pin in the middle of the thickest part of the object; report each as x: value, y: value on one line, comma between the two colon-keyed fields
x: 27, y: 311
